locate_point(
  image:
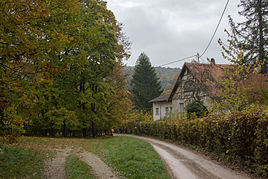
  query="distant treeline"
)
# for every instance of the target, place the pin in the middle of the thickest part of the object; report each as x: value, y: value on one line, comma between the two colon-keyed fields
x: 166, y: 75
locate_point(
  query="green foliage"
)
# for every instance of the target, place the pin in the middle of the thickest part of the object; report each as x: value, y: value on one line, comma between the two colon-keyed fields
x: 57, y: 65
x: 28, y: 51
x: 240, y: 82
x: 17, y: 162
x: 75, y: 168
x: 252, y: 33
x: 58, y: 117
x: 136, y: 115
x: 145, y: 84
x: 119, y: 102
x: 196, y: 108
x: 240, y: 138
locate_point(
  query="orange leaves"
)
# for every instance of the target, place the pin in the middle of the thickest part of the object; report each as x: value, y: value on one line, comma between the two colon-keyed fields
x: 71, y: 38
x: 18, y: 19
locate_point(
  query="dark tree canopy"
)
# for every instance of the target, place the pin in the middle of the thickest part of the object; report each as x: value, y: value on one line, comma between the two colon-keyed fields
x: 145, y: 84
x: 252, y: 33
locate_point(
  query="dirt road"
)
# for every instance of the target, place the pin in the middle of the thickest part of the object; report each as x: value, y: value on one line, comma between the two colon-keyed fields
x: 55, y: 167
x: 183, y: 163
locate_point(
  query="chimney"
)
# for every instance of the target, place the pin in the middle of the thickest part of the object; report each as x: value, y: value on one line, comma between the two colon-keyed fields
x: 212, y: 61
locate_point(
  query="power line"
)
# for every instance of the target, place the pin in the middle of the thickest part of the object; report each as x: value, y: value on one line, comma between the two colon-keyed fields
x: 177, y: 61
x: 215, y: 29
x: 199, y: 56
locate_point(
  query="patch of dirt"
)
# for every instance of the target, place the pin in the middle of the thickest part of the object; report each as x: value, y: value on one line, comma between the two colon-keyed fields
x: 55, y: 167
x: 99, y: 168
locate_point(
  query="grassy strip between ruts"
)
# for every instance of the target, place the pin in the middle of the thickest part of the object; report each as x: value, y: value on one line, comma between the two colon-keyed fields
x: 75, y: 168
x: 17, y: 162
x: 130, y: 157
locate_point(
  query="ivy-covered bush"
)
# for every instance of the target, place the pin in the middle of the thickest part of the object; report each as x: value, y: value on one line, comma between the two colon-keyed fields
x: 196, y: 108
x: 241, y: 138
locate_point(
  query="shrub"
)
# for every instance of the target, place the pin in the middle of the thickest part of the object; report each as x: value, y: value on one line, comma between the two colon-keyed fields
x: 196, y: 108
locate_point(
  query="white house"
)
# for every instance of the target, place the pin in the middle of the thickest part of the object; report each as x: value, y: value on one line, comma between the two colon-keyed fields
x: 161, y: 106
x: 195, y: 82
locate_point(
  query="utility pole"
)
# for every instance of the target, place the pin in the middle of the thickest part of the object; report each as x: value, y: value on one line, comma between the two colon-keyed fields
x: 198, y: 57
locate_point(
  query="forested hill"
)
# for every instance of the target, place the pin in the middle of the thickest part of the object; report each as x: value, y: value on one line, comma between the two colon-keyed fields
x: 166, y: 75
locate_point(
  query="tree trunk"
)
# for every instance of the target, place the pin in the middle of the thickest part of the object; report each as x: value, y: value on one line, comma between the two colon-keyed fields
x: 52, y: 132
x: 2, y: 117
x: 45, y: 132
x: 64, y: 129
x: 261, y: 42
x: 82, y: 105
x: 93, y: 129
x: 84, y: 132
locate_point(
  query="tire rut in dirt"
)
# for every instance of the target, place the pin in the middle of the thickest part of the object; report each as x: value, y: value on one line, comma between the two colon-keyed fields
x: 196, y: 169
x: 100, y: 169
x: 55, y: 167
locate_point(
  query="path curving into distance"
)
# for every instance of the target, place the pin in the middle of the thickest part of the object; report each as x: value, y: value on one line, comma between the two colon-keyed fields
x: 183, y: 163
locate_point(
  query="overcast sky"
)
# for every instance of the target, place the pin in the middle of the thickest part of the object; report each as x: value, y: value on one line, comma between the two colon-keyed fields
x: 168, y: 30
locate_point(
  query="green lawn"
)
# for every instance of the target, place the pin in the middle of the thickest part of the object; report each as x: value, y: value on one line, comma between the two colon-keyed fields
x: 129, y: 157
x: 17, y: 162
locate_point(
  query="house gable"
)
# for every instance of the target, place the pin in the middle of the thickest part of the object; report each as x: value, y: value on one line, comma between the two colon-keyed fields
x: 196, y: 82
x: 203, y: 77
x: 187, y: 89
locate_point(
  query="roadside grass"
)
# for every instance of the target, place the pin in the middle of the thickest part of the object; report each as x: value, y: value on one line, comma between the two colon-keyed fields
x: 129, y: 157
x: 77, y: 169
x: 17, y: 162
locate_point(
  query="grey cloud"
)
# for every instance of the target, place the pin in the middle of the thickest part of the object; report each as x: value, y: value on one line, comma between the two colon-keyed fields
x: 168, y: 30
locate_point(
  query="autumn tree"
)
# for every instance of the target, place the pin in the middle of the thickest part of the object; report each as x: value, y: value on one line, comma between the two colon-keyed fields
x: 235, y: 88
x: 252, y: 33
x: 29, y: 44
x: 119, y: 101
x: 145, y: 84
x: 56, y: 59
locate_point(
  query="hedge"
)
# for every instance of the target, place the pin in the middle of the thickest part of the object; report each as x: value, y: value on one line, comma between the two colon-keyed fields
x: 240, y: 138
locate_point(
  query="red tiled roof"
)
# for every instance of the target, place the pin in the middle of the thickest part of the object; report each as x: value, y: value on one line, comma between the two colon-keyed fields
x: 207, y: 74
x: 214, y: 71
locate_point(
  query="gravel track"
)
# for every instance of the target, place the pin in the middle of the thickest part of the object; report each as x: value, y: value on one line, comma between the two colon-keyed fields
x: 55, y: 167
x: 183, y: 163
x: 100, y: 169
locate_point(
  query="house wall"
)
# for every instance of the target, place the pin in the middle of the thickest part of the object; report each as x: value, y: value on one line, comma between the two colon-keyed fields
x: 161, y: 110
x: 187, y: 91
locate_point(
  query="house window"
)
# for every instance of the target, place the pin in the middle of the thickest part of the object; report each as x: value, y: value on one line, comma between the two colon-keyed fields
x: 166, y: 110
x: 181, y: 107
x: 156, y: 111
x: 170, y: 109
